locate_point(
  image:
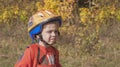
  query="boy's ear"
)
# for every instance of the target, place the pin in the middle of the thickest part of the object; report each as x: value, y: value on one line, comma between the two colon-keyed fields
x: 37, y: 36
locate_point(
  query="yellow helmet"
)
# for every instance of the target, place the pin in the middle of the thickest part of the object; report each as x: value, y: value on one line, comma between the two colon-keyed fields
x: 40, y: 18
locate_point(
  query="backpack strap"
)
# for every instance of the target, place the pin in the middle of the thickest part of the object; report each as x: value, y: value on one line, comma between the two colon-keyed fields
x: 36, y: 51
x: 38, y: 57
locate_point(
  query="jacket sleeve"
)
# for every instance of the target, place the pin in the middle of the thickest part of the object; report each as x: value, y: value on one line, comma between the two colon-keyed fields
x: 25, y: 61
x: 57, y: 59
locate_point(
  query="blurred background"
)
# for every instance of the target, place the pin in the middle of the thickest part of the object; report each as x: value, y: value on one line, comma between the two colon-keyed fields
x: 90, y: 34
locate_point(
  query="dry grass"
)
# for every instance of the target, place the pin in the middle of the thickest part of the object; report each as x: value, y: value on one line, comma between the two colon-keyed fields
x: 13, y: 41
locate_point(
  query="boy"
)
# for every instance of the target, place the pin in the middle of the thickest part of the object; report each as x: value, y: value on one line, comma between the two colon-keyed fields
x: 43, y: 28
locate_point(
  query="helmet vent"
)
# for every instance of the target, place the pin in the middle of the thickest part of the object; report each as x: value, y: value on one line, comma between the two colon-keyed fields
x: 30, y: 23
x: 49, y: 13
x: 40, y: 14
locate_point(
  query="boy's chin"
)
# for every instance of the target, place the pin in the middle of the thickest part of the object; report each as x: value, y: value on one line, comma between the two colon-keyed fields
x: 51, y: 43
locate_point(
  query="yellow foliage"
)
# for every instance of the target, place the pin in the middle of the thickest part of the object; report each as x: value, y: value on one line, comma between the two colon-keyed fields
x: 84, y: 14
x: 118, y: 15
x: 5, y: 14
x: 38, y: 5
x: 103, y: 14
x: 51, y: 4
x: 15, y: 10
x: 23, y: 15
x: 113, y: 10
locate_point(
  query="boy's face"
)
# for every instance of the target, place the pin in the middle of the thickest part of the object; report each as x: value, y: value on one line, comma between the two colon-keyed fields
x: 50, y: 32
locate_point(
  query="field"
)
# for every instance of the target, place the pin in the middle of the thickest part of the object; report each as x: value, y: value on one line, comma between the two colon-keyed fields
x: 90, y: 35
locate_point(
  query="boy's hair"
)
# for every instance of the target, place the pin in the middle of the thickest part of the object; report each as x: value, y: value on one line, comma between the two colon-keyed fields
x: 40, y: 18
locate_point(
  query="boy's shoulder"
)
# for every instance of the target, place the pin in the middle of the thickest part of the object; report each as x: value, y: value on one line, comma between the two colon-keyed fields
x: 34, y: 45
x: 33, y: 48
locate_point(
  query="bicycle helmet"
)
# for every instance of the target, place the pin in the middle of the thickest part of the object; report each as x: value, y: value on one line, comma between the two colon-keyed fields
x: 40, y: 18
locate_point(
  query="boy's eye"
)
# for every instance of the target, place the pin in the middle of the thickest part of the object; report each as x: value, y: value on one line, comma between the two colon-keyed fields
x: 52, y: 31
x: 49, y: 31
x: 56, y: 31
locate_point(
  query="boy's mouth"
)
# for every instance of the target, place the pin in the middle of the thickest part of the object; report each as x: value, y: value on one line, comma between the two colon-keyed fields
x: 53, y: 39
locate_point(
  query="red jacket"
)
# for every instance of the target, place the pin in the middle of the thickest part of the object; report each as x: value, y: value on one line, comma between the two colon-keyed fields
x: 48, y: 57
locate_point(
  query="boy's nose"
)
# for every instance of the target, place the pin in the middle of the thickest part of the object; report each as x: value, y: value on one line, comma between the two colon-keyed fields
x: 53, y: 34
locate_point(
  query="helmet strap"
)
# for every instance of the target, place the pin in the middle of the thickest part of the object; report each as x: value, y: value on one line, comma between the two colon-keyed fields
x: 41, y: 39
